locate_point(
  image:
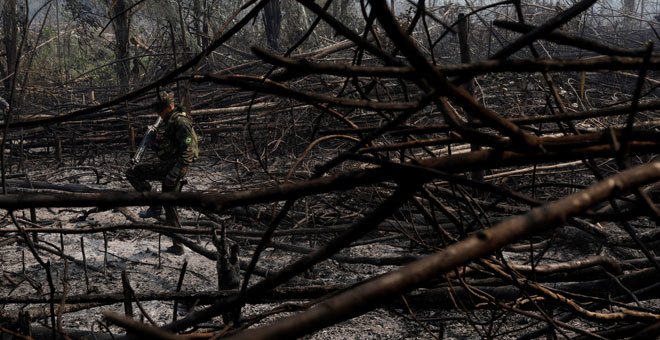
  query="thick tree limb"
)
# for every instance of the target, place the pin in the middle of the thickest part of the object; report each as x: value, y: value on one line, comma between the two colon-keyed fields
x: 472, y: 161
x: 371, y: 294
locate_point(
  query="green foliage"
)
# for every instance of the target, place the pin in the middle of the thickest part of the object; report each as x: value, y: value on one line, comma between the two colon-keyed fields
x: 77, y: 56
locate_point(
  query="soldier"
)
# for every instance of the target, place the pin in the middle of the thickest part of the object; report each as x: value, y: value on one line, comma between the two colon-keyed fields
x: 177, y: 149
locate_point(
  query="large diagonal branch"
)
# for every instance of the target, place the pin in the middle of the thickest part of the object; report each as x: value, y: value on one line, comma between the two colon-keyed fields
x: 375, y: 292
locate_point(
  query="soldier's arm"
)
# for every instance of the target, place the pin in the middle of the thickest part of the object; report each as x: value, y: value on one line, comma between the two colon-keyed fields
x: 185, y: 153
x: 184, y: 136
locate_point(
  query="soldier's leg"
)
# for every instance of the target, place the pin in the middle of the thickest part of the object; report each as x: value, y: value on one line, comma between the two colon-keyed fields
x: 171, y: 216
x: 139, y: 177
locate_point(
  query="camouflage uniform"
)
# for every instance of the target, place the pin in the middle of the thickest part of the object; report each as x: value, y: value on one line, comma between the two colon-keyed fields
x: 177, y: 150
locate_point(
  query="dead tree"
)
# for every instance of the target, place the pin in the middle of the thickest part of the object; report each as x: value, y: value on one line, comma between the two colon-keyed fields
x: 357, y: 154
x: 272, y: 23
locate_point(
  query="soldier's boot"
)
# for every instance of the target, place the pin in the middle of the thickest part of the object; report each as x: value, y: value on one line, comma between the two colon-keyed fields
x: 151, y: 212
x: 176, y: 248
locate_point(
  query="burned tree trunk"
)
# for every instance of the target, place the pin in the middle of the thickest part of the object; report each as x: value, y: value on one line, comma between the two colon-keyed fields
x: 120, y: 16
x: 10, y: 30
x: 272, y: 23
x: 202, y: 23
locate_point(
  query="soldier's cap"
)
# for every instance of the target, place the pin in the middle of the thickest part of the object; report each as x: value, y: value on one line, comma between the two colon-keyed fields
x: 164, y: 98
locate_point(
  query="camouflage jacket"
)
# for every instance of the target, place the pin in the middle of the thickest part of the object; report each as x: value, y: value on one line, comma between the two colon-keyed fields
x: 179, y: 140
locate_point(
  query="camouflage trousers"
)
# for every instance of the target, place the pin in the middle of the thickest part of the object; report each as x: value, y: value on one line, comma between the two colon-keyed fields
x: 140, y: 175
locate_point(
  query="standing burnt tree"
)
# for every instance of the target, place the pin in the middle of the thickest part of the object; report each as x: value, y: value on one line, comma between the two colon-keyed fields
x: 10, y: 39
x: 377, y: 169
x: 272, y: 23
x: 120, y: 16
